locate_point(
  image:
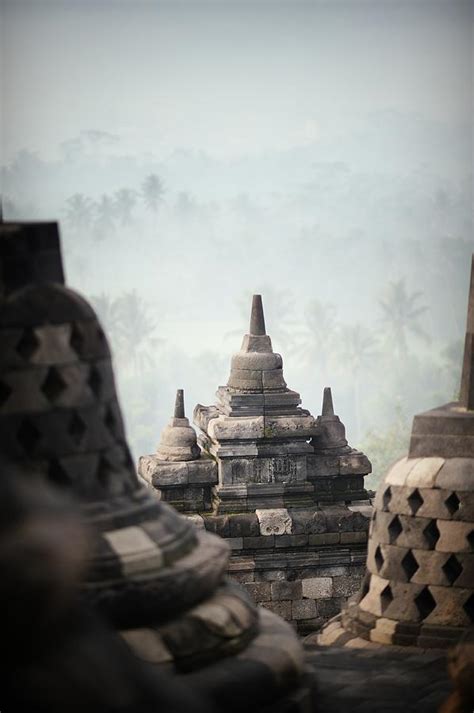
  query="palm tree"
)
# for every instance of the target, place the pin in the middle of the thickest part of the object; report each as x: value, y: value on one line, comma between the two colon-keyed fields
x: 401, y: 316
x: 136, y: 328
x: 152, y: 191
x: 356, y: 353
x: 79, y: 212
x: 108, y: 313
x: 320, y: 334
x: 104, y: 218
x: 124, y: 201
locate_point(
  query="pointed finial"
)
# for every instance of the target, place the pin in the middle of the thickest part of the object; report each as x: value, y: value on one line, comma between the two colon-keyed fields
x: 328, y: 408
x: 467, y: 379
x: 257, y: 319
x: 179, y: 404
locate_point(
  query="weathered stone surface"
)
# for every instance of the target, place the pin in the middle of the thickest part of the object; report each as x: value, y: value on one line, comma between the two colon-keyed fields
x: 274, y: 522
x: 457, y: 474
x: 317, y: 587
x: 303, y: 609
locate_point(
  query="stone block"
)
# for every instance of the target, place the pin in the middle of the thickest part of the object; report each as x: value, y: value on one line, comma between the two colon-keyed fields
x: 327, y: 608
x: 423, y: 474
x: 271, y: 575
x: 345, y: 586
x: 303, y: 609
x: 218, y: 524
x: 317, y: 587
x: 399, y: 472
x: 454, y: 536
x: 259, y: 543
x: 274, y: 522
x: 244, y: 525
x: 286, y: 590
x: 197, y: 520
x: 339, y: 519
x: 243, y: 577
x: 351, y: 538
x: 384, y: 631
x: 235, y: 543
x: 456, y: 474
x: 328, y: 538
x: 260, y: 591
x: 291, y: 541
x: 281, y: 608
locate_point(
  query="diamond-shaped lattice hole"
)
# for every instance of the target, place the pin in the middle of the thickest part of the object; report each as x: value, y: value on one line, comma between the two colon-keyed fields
x: 415, y: 501
x: 28, y: 344
x: 452, y: 503
x: 95, y: 381
x: 76, y: 429
x: 469, y: 607
x: 386, y: 597
x: 5, y: 392
x: 452, y: 569
x: 431, y: 533
x: 28, y: 436
x: 394, y: 529
x: 425, y: 603
x: 409, y: 564
x: 57, y: 474
x: 387, y: 496
x: 77, y: 339
x: 54, y: 385
x: 378, y: 557
x: 470, y: 539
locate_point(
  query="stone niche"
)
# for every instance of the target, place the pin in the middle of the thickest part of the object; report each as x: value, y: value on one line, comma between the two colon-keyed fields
x: 282, y: 487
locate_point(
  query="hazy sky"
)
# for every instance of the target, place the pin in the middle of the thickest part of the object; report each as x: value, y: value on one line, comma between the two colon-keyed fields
x: 228, y: 77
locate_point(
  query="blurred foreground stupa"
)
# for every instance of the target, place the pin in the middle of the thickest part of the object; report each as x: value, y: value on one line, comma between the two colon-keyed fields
x: 156, y: 577
x: 282, y: 487
x: 419, y: 586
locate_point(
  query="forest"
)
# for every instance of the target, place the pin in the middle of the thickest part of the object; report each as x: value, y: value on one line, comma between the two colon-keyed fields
x: 364, y: 273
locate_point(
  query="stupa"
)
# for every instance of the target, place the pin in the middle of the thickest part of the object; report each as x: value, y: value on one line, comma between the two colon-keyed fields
x: 159, y: 580
x: 283, y: 488
x: 419, y: 586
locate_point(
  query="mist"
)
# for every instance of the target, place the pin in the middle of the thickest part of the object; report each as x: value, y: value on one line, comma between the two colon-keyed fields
x: 194, y: 153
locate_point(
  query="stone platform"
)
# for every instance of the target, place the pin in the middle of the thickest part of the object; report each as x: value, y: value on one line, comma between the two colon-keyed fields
x: 378, y: 680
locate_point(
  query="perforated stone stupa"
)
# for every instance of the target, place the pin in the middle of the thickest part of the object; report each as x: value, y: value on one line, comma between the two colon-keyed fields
x: 283, y: 488
x: 419, y: 586
x: 157, y: 578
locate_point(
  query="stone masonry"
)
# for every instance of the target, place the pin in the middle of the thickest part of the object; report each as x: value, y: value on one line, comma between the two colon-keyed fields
x: 283, y: 488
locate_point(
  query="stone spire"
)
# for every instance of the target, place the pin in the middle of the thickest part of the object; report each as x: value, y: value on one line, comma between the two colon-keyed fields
x: 257, y: 318
x: 331, y: 433
x: 179, y: 404
x: 467, y: 380
x: 178, y: 440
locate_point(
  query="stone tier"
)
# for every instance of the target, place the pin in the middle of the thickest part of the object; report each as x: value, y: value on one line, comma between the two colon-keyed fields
x: 301, y: 563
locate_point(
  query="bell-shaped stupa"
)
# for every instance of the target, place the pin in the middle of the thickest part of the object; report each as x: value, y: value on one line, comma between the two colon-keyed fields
x: 419, y: 586
x: 155, y: 576
x: 182, y: 473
